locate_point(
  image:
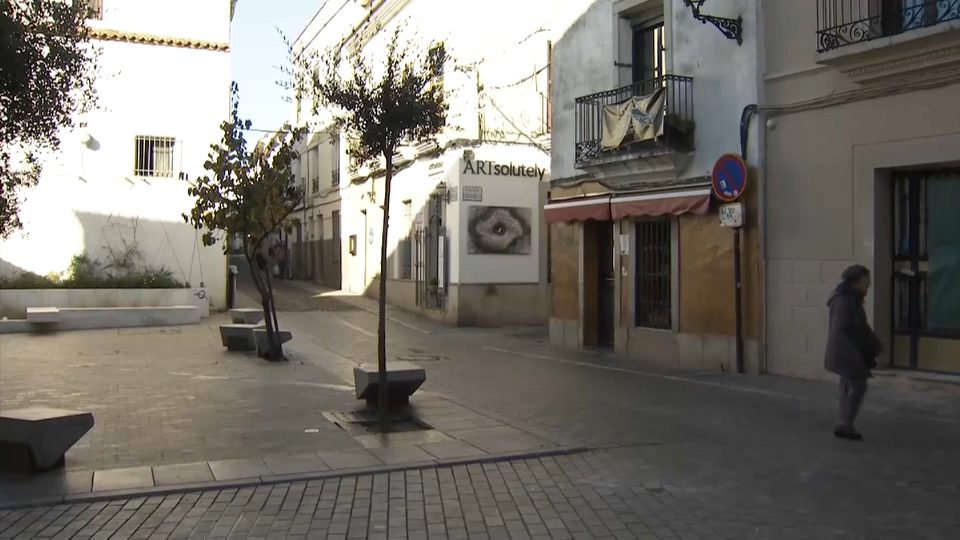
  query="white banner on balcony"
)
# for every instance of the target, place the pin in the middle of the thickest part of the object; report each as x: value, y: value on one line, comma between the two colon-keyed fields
x: 636, y: 119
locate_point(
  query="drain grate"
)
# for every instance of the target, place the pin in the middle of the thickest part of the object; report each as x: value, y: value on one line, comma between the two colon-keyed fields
x: 367, y: 422
x: 419, y: 355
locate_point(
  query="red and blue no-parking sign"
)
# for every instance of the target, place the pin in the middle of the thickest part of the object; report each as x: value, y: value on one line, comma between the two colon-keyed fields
x: 729, y: 177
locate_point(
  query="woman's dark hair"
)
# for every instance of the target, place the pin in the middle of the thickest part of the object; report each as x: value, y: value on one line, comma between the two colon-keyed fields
x: 854, y: 273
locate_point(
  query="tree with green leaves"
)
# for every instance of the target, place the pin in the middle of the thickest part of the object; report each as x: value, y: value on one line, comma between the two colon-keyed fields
x: 250, y: 193
x: 380, y: 100
x: 47, y: 72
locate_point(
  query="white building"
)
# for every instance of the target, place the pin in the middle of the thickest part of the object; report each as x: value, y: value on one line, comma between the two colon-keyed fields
x: 466, y: 243
x: 118, y: 184
x: 847, y: 113
x: 863, y: 166
x: 639, y: 262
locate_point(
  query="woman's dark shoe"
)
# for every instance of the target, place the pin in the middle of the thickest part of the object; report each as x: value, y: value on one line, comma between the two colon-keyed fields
x: 847, y: 433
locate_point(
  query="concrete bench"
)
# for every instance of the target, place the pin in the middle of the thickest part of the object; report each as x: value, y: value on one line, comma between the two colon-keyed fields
x: 246, y: 315
x: 36, y: 439
x: 43, y: 315
x: 403, y: 379
x: 260, y: 335
x: 238, y: 336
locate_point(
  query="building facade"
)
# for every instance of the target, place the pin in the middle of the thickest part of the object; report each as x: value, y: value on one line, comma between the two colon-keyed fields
x: 466, y: 243
x: 863, y: 166
x: 647, y: 95
x: 117, y: 188
x: 315, y: 243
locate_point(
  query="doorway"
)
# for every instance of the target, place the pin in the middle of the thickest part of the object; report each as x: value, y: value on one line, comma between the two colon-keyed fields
x: 926, y: 270
x: 599, y: 277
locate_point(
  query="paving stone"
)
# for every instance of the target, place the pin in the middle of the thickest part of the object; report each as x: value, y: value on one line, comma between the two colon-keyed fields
x: 121, y: 479
x: 236, y: 469
x: 300, y: 463
x: 349, y: 460
x: 401, y: 454
x: 451, y: 449
x: 187, y: 473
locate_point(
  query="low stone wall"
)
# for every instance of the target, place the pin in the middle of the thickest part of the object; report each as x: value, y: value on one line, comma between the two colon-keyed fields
x: 14, y: 302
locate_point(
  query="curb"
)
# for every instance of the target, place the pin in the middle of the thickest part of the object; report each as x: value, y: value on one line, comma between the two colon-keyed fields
x: 281, y: 479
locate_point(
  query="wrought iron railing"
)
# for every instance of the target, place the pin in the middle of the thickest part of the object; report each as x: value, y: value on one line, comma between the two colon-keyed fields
x: 846, y: 22
x: 678, y: 123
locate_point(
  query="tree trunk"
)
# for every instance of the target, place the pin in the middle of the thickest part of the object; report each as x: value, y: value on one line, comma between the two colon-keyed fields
x: 382, y: 300
x: 261, y: 281
x: 274, y: 347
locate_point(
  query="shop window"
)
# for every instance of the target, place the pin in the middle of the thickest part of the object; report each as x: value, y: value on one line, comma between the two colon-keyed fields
x: 653, y: 290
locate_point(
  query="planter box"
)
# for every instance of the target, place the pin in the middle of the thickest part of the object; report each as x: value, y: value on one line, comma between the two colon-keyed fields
x: 14, y: 302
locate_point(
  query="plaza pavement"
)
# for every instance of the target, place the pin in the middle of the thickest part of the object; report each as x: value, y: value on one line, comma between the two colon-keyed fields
x: 671, y: 454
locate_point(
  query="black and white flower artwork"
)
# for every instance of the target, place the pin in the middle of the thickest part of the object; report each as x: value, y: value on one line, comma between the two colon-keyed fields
x: 498, y: 230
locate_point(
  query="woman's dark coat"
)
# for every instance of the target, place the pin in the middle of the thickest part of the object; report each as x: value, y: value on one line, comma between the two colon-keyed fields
x: 852, y: 347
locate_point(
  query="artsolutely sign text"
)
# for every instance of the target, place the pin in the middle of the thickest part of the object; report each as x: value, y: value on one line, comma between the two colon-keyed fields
x: 493, y: 168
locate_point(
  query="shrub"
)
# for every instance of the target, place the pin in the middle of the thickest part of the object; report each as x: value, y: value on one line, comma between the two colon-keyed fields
x: 87, y: 273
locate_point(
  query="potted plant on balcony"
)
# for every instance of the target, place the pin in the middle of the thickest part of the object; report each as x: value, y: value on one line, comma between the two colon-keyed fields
x: 679, y: 132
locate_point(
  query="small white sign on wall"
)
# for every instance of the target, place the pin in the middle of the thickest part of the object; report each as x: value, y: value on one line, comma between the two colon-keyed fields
x: 624, y: 244
x: 731, y: 215
x: 473, y: 193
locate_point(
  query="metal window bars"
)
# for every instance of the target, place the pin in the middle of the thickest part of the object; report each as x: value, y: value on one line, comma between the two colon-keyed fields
x: 654, y: 271
x: 153, y: 156
x: 94, y: 9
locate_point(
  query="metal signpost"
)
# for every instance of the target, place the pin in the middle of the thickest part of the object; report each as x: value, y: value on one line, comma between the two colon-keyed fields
x: 729, y: 180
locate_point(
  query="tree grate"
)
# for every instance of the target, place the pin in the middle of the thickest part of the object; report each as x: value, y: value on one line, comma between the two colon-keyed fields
x: 367, y: 422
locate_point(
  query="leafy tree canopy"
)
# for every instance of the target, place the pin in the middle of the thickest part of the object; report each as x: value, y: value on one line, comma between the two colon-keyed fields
x: 380, y: 100
x: 247, y: 191
x: 47, y: 71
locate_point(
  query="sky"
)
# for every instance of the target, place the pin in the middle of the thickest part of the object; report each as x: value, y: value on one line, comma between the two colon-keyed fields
x: 257, y: 51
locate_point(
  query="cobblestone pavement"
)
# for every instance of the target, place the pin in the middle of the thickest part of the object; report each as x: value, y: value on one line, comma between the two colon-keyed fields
x: 603, y: 494
x: 737, y: 438
x: 684, y: 455
x: 172, y: 395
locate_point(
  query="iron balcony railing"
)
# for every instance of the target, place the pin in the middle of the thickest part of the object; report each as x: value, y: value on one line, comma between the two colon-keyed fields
x: 677, y: 118
x: 846, y: 22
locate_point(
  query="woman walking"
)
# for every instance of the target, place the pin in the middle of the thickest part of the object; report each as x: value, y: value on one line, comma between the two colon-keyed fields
x: 852, y: 346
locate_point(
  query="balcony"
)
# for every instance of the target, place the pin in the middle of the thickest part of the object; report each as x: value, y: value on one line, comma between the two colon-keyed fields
x: 645, y: 128
x: 872, y: 40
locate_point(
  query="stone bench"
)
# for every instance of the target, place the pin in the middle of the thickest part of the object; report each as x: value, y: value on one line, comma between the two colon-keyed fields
x: 238, y: 336
x: 45, y: 316
x: 403, y: 379
x: 260, y: 336
x: 36, y: 439
x: 246, y: 315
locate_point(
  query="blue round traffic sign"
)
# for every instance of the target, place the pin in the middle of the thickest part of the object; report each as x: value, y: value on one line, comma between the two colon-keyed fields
x: 729, y: 177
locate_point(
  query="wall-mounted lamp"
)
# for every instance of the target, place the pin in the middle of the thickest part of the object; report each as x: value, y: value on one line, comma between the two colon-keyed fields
x: 441, y: 192
x: 468, y: 154
x: 86, y: 139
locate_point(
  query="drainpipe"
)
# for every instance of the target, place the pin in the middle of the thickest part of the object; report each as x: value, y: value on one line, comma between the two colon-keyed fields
x: 748, y: 113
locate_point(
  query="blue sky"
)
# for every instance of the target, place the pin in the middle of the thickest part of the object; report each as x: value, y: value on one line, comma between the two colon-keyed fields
x: 257, y: 50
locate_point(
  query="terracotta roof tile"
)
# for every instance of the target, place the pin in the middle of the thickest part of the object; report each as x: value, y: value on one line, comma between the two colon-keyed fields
x: 150, y: 39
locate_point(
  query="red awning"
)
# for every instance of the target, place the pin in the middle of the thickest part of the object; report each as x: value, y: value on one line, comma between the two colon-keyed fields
x: 661, y: 203
x: 579, y: 209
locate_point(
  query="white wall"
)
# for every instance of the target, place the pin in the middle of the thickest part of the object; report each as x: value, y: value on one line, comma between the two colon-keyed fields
x: 724, y: 74
x: 506, y: 54
x: 198, y: 19
x: 501, y: 190
x: 88, y: 199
